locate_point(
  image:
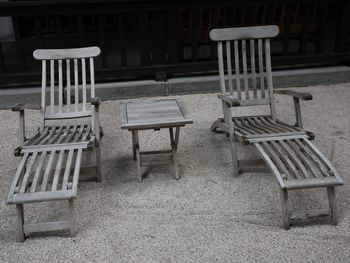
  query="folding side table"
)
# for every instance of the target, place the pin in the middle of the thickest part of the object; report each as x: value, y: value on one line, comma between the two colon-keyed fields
x: 154, y: 115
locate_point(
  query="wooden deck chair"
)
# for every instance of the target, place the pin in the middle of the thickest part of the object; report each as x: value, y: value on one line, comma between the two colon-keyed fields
x: 51, y: 159
x: 246, y: 80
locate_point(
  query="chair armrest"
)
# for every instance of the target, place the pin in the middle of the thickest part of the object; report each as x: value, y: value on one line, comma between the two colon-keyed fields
x: 230, y: 100
x: 25, y: 106
x: 295, y: 94
x: 96, y: 101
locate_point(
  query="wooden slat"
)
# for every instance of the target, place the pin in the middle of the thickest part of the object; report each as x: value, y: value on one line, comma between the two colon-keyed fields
x: 326, y: 172
x: 52, y: 85
x: 67, y: 115
x: 245, y: 70
x: 123, y: 114
x: 68, y: 84
x: 261, y: 68
x: 17, y: 176
x: 224, y: 34
x: 221, y: 67
x: 92, y: 78
x: 47, y: 226
x: 253, y: 70
x: 67, y: 170
x: 57, y: 170
x: 38, y: 172
x: 28, y: 171
x: 294, y: 158
x: 56, y: 135
x: 43, y: 196
x: 77, y: 136
x: 60, y: 86
x: 76, y: 85
x: 285, y: 174
x: 270, y: 164
x: 72, y: 132
x: 312, y: 183
x: 237, y: 72
x: 48, y: 137
x: 67, y: 53
x: 83, y: 75
x: 314, y: 171
x: 229, y: 67
x: 42, y: 136
x: 47, y: 172
x: 257, y: 125
x: 309, y: 214
x: 273, y: 137
x: 274, y: 125
x: 43, y: 86
x: 269, y: 77
x: 276, y: 146
x: 76, y: 172
x: 56, y: 147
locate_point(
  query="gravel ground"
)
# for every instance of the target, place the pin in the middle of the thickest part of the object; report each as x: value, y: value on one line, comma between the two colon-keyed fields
x: 207, y: 215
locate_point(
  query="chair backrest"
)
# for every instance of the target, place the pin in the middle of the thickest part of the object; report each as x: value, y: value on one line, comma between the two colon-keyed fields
x: 249, y: 79
x: 69, y: 67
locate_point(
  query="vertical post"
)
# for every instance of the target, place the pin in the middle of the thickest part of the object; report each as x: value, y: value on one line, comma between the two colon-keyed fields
x: 20, y: 222
x: 332, y: 205
x: 229, y: 122
x: 299, y: 122
x: 133, y: 144
x: 96, y: 131
x: 73, y: 228
x: 21, y: 131
x: 138, y: 156
x: 285, y: 213
x: 173, y: 150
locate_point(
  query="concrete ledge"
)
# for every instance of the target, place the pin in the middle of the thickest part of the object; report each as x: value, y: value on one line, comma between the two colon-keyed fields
x: 202, y: 84
x: 281, y: 79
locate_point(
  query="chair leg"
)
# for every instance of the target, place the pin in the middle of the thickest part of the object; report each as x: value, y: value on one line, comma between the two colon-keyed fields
x: 20, y: 223
x: 234, y: 157
x: 98, y: 164
x: 285, y: 212
x: 332, y: 205
x: 73, y: 228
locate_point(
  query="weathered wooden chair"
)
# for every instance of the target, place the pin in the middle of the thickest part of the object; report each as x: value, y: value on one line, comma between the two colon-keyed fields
x: 51, y: 160
x: 286, y: 149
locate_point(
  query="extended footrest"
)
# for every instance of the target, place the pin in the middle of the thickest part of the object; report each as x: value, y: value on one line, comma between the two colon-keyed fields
x: 46, y: 173
x: 298, y: 164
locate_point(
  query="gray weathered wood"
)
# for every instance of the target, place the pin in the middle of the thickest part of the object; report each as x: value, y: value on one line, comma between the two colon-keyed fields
x: 51, y: 160
x: 294, y: 161
x: 226, y: 34
x: 46, y: 54
x: 155, y: 115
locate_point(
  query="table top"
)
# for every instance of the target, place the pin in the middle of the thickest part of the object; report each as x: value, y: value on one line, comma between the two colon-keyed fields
x: 154, y: 114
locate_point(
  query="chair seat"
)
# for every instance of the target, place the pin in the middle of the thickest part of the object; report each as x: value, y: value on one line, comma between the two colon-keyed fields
x: 61, y: 134
x: 263, y: 126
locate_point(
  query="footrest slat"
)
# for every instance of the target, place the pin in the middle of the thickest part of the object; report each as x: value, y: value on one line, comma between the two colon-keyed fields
x: 296, y: 164
x: 309, y: 214
x: 47, y: 226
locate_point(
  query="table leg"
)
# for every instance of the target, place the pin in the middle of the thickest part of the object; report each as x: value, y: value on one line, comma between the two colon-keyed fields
x: 174, y: 143
x: 133, y: 144
x: 138, y: 156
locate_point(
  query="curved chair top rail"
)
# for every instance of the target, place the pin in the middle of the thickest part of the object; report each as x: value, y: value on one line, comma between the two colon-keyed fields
x: 238, y: 33
x: 71, y: 53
